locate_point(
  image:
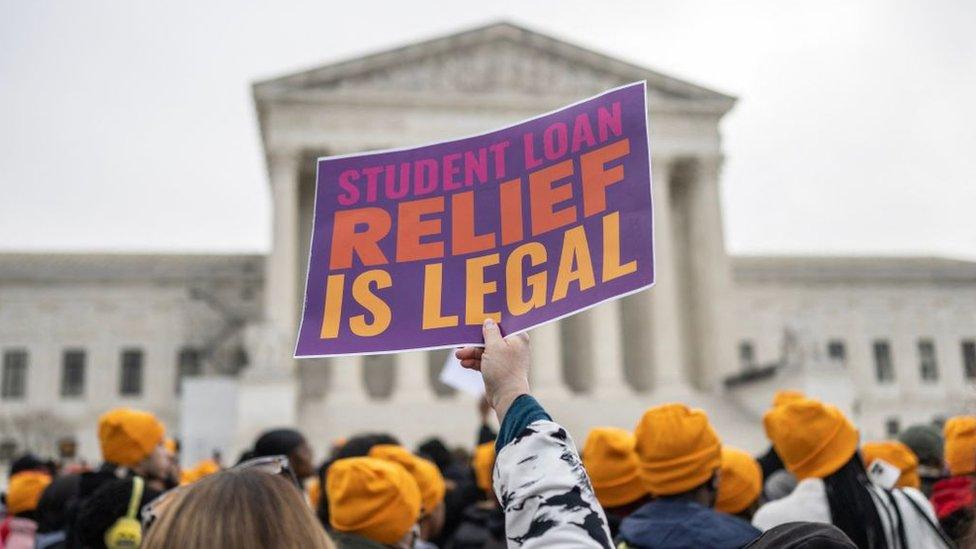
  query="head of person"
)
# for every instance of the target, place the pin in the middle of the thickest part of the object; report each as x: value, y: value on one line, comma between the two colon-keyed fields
x: 244, y: 508
x: 926, y: 443
x: 435, y: 450
x: 374, y: 499
x: 960, y: 445
x: 360, y: 445
x: 429, y: 481
x: 24, y: 492
x: 28, y: 462
x: 287, y: 442
x: 679, y: 453
x: 894, y: 453
x: 483, y: 462
x: 740, y: 483
x: 134, y: 439
x: 817, y: 440
x: 611, y: 462
x: 109, y: 519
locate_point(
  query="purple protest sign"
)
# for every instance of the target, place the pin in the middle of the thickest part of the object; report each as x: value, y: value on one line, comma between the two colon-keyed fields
x: 414, y: 248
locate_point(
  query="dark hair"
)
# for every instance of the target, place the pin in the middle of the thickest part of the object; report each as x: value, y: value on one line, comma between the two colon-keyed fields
x: 108, y: 504
x: 29, y: 462
x: 435, y: 450
x: 852, y: 508
x: 360, y: 445
x: 278, y: 442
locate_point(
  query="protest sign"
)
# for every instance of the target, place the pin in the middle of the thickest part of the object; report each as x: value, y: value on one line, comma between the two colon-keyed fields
x: 414, y: 248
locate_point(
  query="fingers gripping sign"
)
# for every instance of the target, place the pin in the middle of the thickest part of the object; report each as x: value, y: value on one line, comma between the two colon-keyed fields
x: 503, y: 363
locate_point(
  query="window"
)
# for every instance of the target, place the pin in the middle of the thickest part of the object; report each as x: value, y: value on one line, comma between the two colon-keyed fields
x: 188, y: 364
x: 969, y: 359
x: 883, y: 368
x: 837, y: 352
x: 928, y: 367
x: 130, y: 381
x: 747, y: 355
x: 14, y: 383
x: 73, y: 373
x: 892, y: 427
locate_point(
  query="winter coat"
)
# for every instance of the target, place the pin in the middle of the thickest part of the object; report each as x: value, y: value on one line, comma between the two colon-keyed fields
x: 683, y: 524
x: 808, y: 503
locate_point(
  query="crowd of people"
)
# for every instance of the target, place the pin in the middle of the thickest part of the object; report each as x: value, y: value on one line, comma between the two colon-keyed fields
x: 669, y: 483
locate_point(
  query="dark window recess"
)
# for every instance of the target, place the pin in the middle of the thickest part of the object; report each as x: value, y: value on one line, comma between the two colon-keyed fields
x: 928, y: 366
x: 130, y: 379
x: 189, y: 363
x: 73, y: 373
x: 883, y: 368
x: 969, y: 359
x: 14, y: 383
x: 837, y: 351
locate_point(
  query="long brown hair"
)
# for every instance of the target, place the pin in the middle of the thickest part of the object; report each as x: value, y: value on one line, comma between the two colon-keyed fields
x: 245, y: 509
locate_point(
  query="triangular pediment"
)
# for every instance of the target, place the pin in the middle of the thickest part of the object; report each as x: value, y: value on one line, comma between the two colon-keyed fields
x: 497, y: 59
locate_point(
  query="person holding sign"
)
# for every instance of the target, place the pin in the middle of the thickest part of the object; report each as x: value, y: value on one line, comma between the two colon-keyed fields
x: 538, y: 476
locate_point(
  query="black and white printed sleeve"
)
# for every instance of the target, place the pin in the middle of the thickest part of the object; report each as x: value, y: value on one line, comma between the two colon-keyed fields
x: 545, y: 491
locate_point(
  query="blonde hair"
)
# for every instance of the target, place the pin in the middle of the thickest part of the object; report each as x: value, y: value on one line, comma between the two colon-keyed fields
x: 245, y: 509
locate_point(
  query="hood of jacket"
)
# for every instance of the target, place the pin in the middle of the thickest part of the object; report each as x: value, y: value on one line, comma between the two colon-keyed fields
x: 680, y: 524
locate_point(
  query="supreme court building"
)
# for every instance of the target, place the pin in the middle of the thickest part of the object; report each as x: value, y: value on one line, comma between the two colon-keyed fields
x: 891, y: 340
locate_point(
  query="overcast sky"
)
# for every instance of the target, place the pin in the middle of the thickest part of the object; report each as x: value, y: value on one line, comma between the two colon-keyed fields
x: 130, y: 126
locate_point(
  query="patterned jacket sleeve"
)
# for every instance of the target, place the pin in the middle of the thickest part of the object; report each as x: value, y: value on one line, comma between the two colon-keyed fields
x: 545, y: 492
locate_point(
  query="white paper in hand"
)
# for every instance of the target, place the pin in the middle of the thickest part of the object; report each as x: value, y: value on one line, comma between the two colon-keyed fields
x: 462, y: 379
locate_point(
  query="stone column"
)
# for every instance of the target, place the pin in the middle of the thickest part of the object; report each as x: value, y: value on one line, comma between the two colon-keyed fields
x: 412, y: 383
x: 668, y: 361
x: 606, y: 349
x: 711, y: 272
x: 281, y: 267
x: 346, y: 383
x: 547, y: 360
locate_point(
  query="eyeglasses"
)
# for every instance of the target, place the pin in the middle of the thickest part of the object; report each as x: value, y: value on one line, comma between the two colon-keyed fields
x: 272, y: 465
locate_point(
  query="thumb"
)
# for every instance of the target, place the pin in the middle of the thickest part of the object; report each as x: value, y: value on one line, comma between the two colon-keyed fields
x: 491, y: 332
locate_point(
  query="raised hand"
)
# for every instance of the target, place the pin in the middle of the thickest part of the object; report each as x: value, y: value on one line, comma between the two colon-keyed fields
x: 504, y: 364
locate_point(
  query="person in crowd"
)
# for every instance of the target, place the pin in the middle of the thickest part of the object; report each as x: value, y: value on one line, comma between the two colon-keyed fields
x: 897, y: 454
x: 803, y: 535
x: 30, y: 462
x: 373, y: 503
x: 611, y: 461
x: 680, y: 457
x: 953, y: 500
x: 356, y: 446
x: 461, y: 490
x: 132, y: 443
x: 960, y: 446
x: 540, y: 481
x: 482, y: 522
x: 240, y: 508
x: 108, y: 508
x: 818, y: 444
x: 926, y: 443
x: 429, y: 481
x: 952, y: 497
x: 18, y: 529
x: 770, y: 462
x: 52, y: 512
x: 286, y: 442
x: 740, y: 484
